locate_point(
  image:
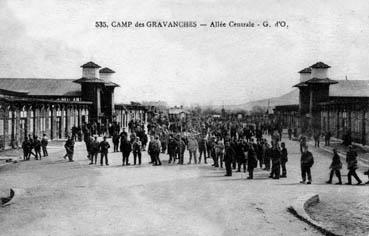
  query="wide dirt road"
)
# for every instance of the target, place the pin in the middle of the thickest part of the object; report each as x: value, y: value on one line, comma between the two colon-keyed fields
x: 61, y: 198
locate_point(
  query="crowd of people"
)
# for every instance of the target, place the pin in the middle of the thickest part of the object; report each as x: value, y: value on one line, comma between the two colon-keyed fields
x: 230, y: 144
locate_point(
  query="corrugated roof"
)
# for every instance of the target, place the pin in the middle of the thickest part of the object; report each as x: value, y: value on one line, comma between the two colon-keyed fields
x: 350, y: 88
x: 42, y: 87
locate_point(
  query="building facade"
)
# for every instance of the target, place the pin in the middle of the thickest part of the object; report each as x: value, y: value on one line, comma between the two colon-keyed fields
x: 54, y: 106
x: 325, y: 105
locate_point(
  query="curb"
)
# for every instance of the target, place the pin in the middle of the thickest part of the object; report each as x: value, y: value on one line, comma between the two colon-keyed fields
x: 298, y: 209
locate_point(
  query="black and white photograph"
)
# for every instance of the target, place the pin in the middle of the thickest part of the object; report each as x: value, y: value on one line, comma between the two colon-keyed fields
x: 184, y: 117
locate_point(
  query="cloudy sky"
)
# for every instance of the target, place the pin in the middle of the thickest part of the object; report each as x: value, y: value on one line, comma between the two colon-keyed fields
x: 51, y: 39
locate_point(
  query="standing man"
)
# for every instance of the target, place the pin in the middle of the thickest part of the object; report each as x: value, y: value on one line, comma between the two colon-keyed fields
x: 104, y: 148
x: 276, y: 161
x: 289, y: 133
x: 116, y: 141
x: 137, y: 145
x: 229, y: 155
x: 37, y: 146
x: 192, y: 149
x: 202, y: 149
x: 252, y: 162
x: 284, y: 160
x: 172, y: 149
x: 94, y: 150
x: 125, y: 148
x: 307, y: 161
x: 351, y: 159
x: 44, y: 143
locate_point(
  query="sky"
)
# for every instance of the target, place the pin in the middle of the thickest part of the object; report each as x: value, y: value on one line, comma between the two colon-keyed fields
x: 207, y: 66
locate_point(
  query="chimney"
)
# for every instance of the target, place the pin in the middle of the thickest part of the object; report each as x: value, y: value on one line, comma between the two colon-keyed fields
x: 89, y: 70
x: 106, y: 74
x: 305, y: 74
x: 319, y: 70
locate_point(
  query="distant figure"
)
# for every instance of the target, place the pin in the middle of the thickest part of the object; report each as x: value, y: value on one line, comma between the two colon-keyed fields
x: 284, y: 160
x: 116, y: 141
x: 327, y: 138
x: 37, y: 147
x: 316, y: 138
x: 192, y: 149
x: 335, y: 167
x: 290, y: 133
x: 44, y: 143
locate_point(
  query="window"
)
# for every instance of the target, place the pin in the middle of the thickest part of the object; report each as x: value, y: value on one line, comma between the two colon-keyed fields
x: 10, y: 123
x: 1, y: 127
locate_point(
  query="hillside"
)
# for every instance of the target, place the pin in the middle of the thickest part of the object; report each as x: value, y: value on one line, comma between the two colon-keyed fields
x: 286, y: 99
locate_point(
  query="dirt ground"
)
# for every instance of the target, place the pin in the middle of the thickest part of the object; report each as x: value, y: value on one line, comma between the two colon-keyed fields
x: 62, y: 198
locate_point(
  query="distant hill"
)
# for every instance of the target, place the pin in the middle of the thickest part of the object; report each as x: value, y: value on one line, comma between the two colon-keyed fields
x: 286, y: 99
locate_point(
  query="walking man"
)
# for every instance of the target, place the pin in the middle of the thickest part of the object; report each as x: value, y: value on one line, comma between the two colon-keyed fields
x: 351, y: 159
x: 335, y: 167
x: 307, y: 161
x: 252, y: 162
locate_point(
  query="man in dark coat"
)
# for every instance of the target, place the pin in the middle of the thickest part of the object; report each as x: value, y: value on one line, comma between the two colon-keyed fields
x: 181, y: 147
x: 284, y: 160
x: 37, y: 146
x: 335, y: 167
x: 351, y: 159
x: 240, y: 155
x: 69, y: 148
x: 137, y: 146
x: 202, y: 149
x: 116, y: 141
x: 252, y: 162
x: 229, y: 156
x: 125, y: 148
x: 307, y: 161
x: 104, y: 149
x: 94, y: 150
x: 44, y: 143
x: 276, y: 162
x: 172, y: 149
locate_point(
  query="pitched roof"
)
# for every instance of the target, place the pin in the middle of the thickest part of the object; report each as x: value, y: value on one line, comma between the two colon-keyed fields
x: 90, y: 64
x: 42, y: 87
x: 89, y: 80
x: 307, y: 70
x: 301, y: 84
x: 350, y: 88
x: 106, y: 70
x: 320, y: 81
x: 320, y: 65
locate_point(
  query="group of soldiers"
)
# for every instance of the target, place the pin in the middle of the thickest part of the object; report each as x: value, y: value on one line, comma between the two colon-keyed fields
x: 33, y: 146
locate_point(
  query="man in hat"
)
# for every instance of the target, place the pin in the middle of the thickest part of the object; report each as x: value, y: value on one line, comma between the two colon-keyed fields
x: 94, y: 150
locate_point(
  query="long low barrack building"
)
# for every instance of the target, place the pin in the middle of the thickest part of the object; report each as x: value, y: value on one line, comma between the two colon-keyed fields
x: 34, y: 106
